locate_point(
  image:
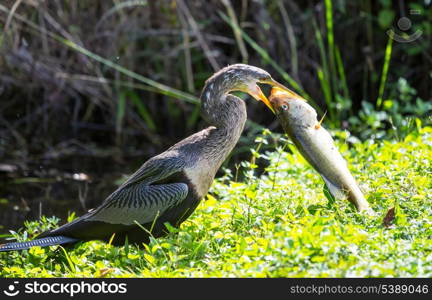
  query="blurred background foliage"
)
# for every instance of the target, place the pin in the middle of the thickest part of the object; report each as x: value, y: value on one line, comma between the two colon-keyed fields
x: 66, y: 86
x: 98, y: 86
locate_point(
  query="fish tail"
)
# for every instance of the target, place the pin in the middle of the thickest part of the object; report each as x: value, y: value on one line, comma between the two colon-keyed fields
x: 43, y: 242
x: 354, y: 195
x: 336, y: 191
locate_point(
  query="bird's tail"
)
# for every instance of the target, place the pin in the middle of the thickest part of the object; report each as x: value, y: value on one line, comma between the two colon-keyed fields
x: 42, y: 242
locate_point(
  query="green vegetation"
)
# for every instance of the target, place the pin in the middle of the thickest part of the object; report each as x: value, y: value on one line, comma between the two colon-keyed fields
x: 276, y: 223
x: 84, y: 83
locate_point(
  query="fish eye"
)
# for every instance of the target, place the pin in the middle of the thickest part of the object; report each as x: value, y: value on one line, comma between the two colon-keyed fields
x: 284, y: 106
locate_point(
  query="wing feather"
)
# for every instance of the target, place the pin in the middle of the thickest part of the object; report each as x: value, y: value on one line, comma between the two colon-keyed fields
x: 156, y: 168
x: 150, y: 201
x: 137, y: 199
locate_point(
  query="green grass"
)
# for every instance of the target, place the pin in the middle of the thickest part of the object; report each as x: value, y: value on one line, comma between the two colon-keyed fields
x: 276, y: 224
x: 384, y: 73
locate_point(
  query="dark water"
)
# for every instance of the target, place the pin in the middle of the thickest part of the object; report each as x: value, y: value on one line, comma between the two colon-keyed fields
x: 57, y: 188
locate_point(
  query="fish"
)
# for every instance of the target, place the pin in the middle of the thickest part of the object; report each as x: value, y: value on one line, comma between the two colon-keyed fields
x: 314, y: 142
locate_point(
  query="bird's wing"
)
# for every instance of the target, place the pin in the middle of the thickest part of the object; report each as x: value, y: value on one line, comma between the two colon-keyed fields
x: 135, y: 204
x: 155, y: 169
x: 139, y: 203
x: 136, y: 199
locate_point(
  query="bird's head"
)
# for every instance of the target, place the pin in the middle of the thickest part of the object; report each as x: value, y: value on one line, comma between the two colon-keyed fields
x: 245, y: 78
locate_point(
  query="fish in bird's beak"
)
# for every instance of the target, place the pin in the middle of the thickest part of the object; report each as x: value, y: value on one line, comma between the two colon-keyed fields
x: 299, y: 121
x: 277, y: 87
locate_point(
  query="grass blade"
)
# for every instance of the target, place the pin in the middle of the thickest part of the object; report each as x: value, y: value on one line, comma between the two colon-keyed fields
x: 330, y: 41
x: 266, y: 57
x: 236, y: 31
x: 119, y: 83
x: 387, y: 57
x: 121, y: 107
x: 323, y: 72
x: 142, y: 110
x: 161, y: 88
x: 341, y: 71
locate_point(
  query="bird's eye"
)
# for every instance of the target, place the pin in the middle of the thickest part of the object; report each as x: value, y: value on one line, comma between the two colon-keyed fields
x: 284, y: 106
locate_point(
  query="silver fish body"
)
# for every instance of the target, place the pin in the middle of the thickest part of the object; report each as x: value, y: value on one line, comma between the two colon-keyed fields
x: 299, y: 121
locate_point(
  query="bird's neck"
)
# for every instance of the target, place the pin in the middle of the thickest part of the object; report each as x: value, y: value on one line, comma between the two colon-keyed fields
x: 218, y: 107
x: 216, y: 143
x: 228, y: 114
x: 229, y: 121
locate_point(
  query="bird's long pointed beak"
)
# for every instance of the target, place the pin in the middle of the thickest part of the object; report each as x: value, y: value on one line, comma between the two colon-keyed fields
x: 259, y: 95
x: 280, y: 86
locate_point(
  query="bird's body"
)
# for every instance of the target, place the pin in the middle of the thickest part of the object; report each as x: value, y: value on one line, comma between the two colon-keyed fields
x: 169, y: 186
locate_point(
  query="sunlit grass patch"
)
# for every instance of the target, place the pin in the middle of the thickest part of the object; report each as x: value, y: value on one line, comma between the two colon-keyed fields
x: 278, y: 223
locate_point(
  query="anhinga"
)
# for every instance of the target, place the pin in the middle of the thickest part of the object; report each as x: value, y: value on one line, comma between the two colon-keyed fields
x: 169, y: 186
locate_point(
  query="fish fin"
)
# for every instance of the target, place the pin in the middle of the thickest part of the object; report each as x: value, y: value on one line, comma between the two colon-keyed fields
x: 337, y: 192
x: 317, y: 126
